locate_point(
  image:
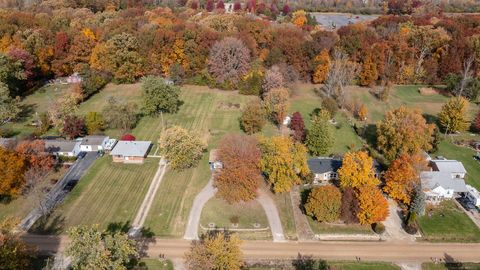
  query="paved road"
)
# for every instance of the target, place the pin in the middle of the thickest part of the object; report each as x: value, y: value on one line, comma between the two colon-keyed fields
x: 367, y: 251
x: 58, y: 192
x: 272, y: 215
x: 191, y: 232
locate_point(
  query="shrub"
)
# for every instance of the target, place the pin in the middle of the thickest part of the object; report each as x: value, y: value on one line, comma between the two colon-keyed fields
x: 93, y: 81
x: 378, y: 228
x: 234, y: 219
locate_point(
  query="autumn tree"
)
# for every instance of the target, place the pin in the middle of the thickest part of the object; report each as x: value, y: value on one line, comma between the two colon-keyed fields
x: 350, y: 207
x: 182, y: 148
x: 276, y: 103
x: 283, y: 162
x: 368, y: 74
x: 453, y: 116
x: 476, y: 123
x: 9, y: 107
x: 340, y: 73
x: 38, y: 161
x: 214, y: 251
x: 66, y: 105
x: 362, y: 113
x: 91, y: 248
x: 120, y: 114
x: 240, y: 176
x: 404, y: 130
x: 373, y: 206
x: 322, y: 65
x: 12, y: 169
x: 159, y: 96
x: 320, y: 137
x: 299, y: 18
x: 14, y: 253
x: 324, y: 203
x: 94, y: 122
x: 253, y: 117
x: 229, y: 60
x: 273, y: 79
x: 297, y: 125
x: 73, y: 127
x: 357, y: 170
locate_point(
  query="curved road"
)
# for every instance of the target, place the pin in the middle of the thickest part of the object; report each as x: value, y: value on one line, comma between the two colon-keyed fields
x: 367, y: 251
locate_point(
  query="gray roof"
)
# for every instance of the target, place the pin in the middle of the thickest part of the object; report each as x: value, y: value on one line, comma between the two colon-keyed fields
x: 64, y: 146
x: 324, y: 165
x: 431, y: 180
x: 131, y: 148
x: 93, y: 140
x: 452, y: 166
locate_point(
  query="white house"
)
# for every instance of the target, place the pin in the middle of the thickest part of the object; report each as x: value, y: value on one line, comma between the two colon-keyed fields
x: 94, y: 143
x: 473, y: 195
x: 63, y: 147
x: 444, y: 181
x: 130, y: 151
x: 453, y: 166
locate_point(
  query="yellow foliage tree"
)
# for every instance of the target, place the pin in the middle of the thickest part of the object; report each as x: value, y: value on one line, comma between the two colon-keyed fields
x: 362, y: 112
x: 322, y: 62
x: 299, y: 18
x: 369, y: 73
x: 357, y: 170
x: 89, y: 33
x: 453, y: 117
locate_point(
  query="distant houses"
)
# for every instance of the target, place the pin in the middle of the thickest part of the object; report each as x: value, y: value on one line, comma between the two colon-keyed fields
x: 130, y: 151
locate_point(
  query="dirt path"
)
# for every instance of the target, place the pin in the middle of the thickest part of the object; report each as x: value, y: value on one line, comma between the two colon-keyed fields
x: 148, y: 200
x: 191, y: 231
x: 272, y: 215
x: 304, y: 231
x: 393, y: 225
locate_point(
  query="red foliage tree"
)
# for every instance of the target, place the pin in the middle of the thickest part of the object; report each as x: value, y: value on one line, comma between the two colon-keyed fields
x: 194, y: 5
x: 350, y: 207
x: 220, y: 5
x: 73, y: 127
x: 237, y: 6
x: 209, y: 6
x: 298, y: 126
x: 476, y: 124
x: 286, y: 9
x: 128, y: 137
x: 252, y: 6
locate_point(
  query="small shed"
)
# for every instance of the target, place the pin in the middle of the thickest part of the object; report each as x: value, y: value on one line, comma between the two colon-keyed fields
x: 214, y: 160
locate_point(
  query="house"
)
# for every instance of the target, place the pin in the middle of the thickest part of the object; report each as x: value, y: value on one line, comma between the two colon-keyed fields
x: 63, y: 147
x: 214, y: 160
x: 325, y: 169
x: 473, y: 195
x: 130, y: 151
x: 444, y: 181
x: 93, y: 143
x: 110, y: 144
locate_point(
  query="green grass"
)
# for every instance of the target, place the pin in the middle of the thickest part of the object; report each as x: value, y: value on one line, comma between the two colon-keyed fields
x: 447, y: 223
x: 324, y: 228
x: 453, y: 266
x: 284, y: 206
x: 108, y: 195
x: 451, y: 151
x: 154, y: 264
x: 346, y: 265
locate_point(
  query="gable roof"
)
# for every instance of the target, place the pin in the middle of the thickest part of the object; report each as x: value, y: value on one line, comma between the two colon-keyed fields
x: 433, y: 179
x: 451, y: 166
x: 131, y: 148
x: 324, y: 165
x: 93, y: 140
x: 63, y: 146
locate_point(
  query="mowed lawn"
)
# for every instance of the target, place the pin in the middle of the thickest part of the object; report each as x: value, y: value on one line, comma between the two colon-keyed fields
x: 346, y: 265
x: 108, y: 195
x: 451, y: 266
x: 448, y: 223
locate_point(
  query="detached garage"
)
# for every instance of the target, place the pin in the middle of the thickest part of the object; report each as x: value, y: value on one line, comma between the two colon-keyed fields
x: 130, y: 151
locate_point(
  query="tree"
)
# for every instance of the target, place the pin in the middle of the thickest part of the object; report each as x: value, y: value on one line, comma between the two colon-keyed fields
x: 350, y: 207
x: 94, y: 122
x: 324, y: 203
x: 340, y: 73
x: 404, y: 130
x: 120, y: 114
x: 453, y: 116
x: 273, y: 79
x: 418, y: 203
x: 476, y: 123
x: 401, y: 177
x: 127, y: 137
x: 9, y: 107
x: 362, y: 113
x: 357, y: 170
x: 91, y: 248
x: 66, y: 105
x: 283, y: 162
x: 93, y: 81
x: 373, y: 206
x: 299, y: 18
x: 215, y: 251
x: 276, y: 103
x: 298, y: 127
x: 159, y: 96
x: 240, y: 176
x: 229, y: 60
x: 73, y: 127
x: 38, y: 161
x: 182, y: 148
x: 330, y: 105
x: 369, y: 74
x: 253, y: 118
x: 12, y: 169
x: 319, y: 137
x: 322, y: 64
x: 14, y: 253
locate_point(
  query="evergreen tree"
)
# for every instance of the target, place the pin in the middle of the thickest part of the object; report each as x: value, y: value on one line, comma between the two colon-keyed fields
x: 320, y: 138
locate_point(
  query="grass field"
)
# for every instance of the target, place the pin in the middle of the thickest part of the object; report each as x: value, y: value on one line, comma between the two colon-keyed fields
x: 108, y: 195
x: 324, y: 228
x: 448, y: 223
x: 154, y: 264
x: 346, y: 265
x: 284, y: 206
x: 451, y: 266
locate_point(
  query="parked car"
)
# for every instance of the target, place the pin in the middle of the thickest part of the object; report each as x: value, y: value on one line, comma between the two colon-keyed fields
x: 70, y: 185
x: 81, y: 155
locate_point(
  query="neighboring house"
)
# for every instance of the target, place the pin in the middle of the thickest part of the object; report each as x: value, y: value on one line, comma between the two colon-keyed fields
x: 130, y: 151
x: 325, y: 169
x: 63, y: 147
x: 93, y: 143
x: 214, y: 160
x: 444, y: 181
x: 473, y: 195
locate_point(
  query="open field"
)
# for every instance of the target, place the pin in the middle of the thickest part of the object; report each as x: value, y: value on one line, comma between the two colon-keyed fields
x: 284, y: 206
x: 108, y: 195
x: 346, y: 265
x: 451, y: 266
x: 155, y: 264
x: 324, y: 228
x: 448, y: 223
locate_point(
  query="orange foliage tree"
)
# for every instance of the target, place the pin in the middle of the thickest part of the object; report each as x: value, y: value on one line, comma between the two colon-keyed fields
x: 324, y: 203
x: 357, y: 170
x: 373, y: 206
x: 12, y: 169
x: 322, y: 62
x: 369, y: 73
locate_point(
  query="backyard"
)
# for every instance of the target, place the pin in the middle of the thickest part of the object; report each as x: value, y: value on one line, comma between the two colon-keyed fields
x: 447, y: 223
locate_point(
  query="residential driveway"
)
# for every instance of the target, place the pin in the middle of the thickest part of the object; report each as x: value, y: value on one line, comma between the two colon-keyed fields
x: 272, y: 215
x: 393, y: 225
x: 191, y: 232
x: 58, y: 192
